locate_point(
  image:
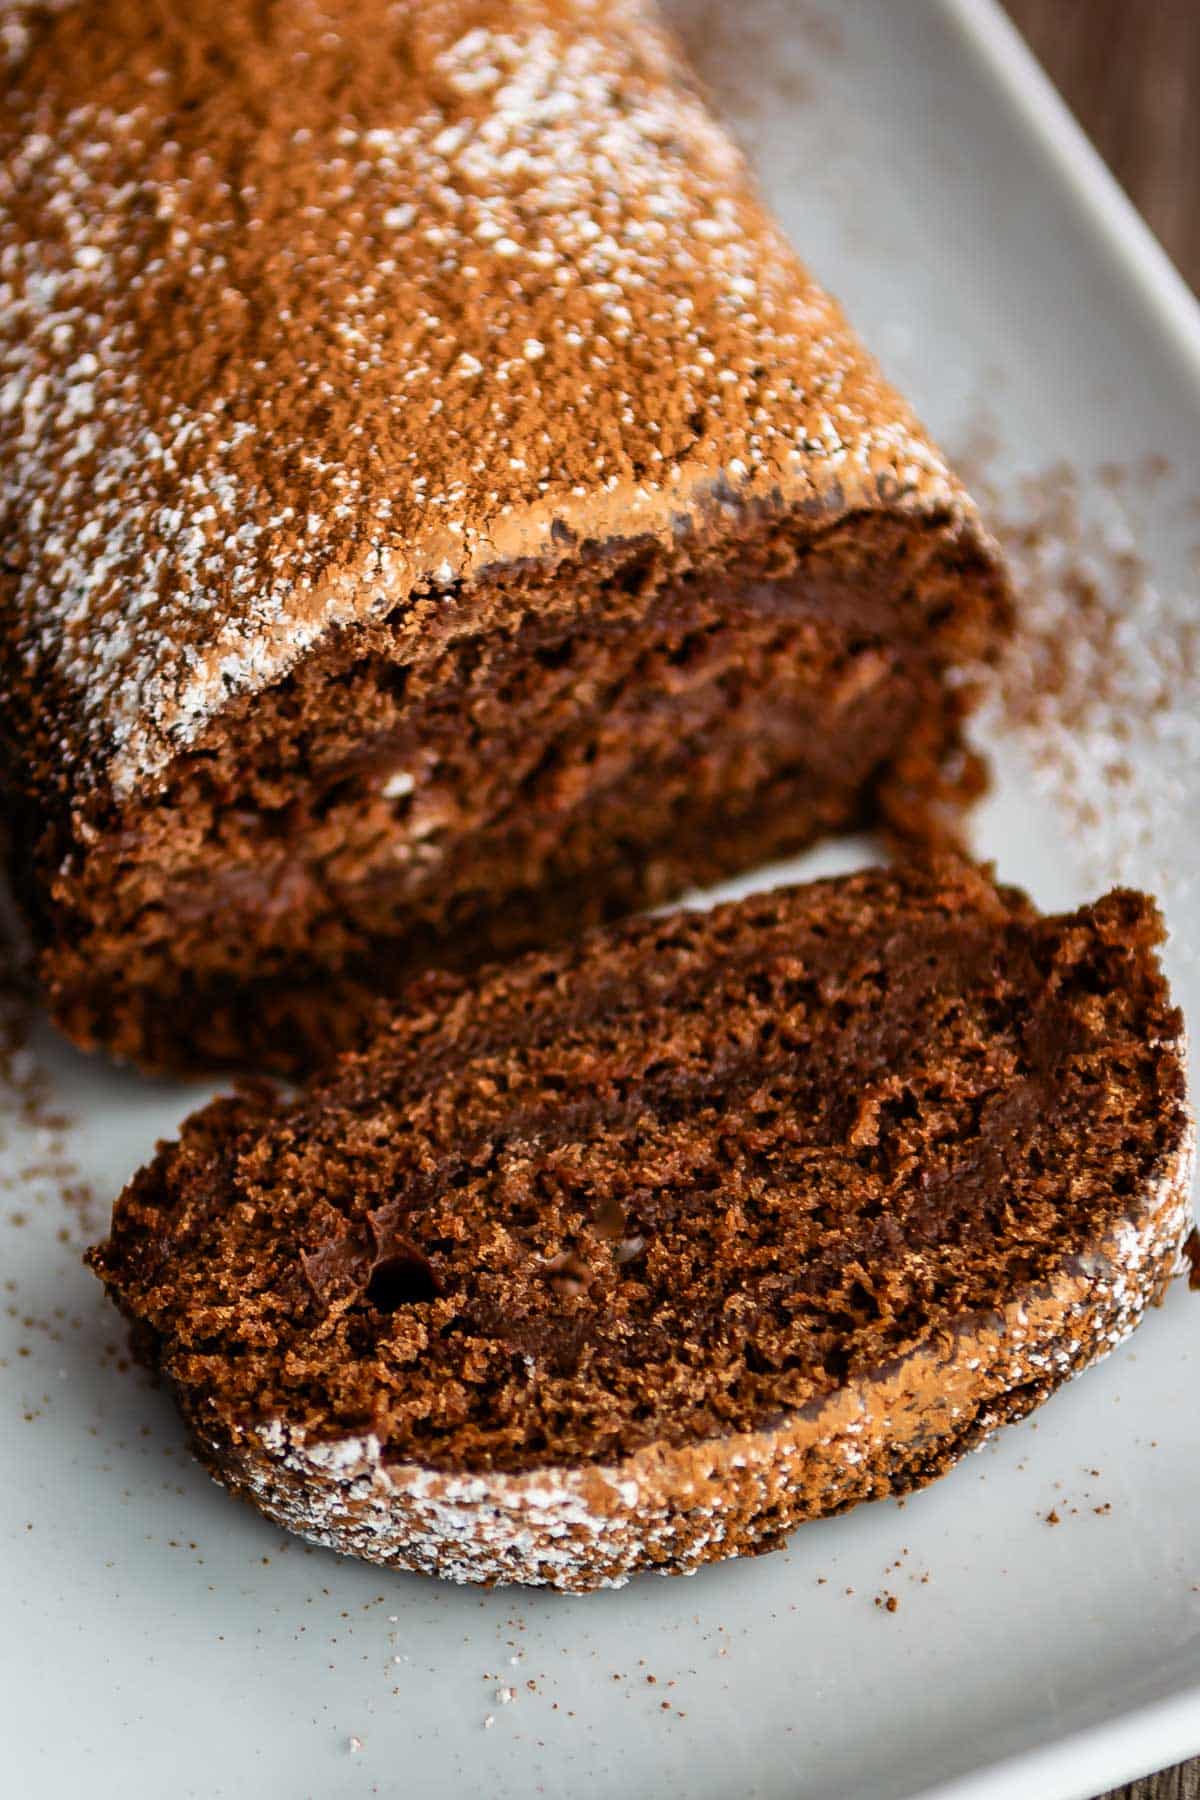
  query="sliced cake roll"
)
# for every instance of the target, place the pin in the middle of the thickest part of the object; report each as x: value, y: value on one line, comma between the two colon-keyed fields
x: 636, y: 1254
x: 438, y: 512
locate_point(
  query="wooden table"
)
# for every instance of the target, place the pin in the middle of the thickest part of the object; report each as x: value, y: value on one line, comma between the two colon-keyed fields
x: 1130, y: 70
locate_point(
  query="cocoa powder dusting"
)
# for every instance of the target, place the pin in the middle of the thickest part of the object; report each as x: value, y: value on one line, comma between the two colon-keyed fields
x: 29, y: 1105
x: 736, y: 51
x: 1100, y: 685
x: 408, y: 289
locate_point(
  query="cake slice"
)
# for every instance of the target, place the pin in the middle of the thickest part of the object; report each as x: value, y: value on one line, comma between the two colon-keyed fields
x: 635, y: 1254
x: 438, y: 510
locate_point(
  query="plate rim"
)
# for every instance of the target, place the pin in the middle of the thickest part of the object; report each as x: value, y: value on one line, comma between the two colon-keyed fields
x: 1143, y: 1738
x: 1078, y: 1762
x: 1144, y: 263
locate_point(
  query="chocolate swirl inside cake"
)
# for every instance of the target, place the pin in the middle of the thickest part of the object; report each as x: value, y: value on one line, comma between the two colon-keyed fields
x: 556, y: 751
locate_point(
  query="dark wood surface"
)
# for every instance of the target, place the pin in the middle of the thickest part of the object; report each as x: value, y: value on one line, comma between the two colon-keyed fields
x: 1182, y: 1783
x: 1130, y: 71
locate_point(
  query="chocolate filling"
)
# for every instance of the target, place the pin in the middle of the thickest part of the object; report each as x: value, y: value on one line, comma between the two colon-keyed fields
x: 553, y: 753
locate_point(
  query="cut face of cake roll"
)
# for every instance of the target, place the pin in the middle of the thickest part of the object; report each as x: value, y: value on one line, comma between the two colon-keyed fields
x: 636, y: 1253
x: 439, y: 511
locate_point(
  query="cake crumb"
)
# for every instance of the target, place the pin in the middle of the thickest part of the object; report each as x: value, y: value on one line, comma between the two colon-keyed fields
x: 1191, y: 1251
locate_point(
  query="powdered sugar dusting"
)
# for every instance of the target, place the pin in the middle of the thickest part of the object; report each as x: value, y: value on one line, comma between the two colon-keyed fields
x: 263, y: 375
x: 17, y: 22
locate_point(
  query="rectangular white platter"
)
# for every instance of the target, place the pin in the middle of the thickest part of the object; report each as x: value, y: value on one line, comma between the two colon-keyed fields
x: 159, y: 1640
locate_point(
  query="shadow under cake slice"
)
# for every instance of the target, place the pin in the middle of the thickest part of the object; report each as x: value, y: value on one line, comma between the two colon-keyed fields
x: 635, y: 1254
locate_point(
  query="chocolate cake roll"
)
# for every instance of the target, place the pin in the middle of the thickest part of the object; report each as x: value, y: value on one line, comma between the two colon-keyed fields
x: 635, y: 1254
x: 439, y: 511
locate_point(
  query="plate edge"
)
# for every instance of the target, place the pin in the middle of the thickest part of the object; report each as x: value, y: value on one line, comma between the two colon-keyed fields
x: 1079, y: 1764
x: 1004, y: 54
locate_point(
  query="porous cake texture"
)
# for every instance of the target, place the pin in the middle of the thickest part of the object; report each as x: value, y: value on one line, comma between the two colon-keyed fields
x: 634, y: 1254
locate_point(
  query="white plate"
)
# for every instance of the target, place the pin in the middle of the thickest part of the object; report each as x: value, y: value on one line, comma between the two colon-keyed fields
x: 160, y: 1640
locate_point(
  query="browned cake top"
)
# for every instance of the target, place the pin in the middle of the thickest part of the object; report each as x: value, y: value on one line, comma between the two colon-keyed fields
x: 695, y: 1173
x: 308, y: 304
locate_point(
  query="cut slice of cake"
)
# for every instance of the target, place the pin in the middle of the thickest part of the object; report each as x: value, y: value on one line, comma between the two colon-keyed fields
x: 633, y: 1255
x: 438, y: 510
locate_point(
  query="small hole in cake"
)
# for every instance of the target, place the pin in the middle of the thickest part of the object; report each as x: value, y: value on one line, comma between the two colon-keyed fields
x: 406, y: 1279
x: 555, y: 656
x: 608, y: 1217
x: 345, y: 792
x: 638, y: 576
x: 864, y: 1306
x: 567, y: 1274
